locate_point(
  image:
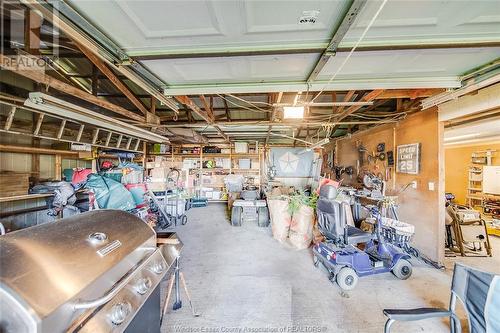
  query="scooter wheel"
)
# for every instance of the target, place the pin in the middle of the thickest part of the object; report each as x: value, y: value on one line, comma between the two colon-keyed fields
x: 315, y: 261
x: 184, y: 220
x: 403, y: 269
x: 347, y: 279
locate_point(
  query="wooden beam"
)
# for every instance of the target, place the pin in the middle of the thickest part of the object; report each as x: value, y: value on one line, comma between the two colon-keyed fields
x: 56, y: 84
x: 228, y: 113
x: 190, y: 104
x: 409, y: 93
x: 208, y: 108
x: 347, y: 98
x: 32, y: 25
x: 95, y: 81
x: 277, y: 100
x: 152, y: 109
x: 103, y: 68
x: 399, y: 104
x: 10, y: 118
x: 58, y: 167
x: 366, y: 98
x: 36, y: 150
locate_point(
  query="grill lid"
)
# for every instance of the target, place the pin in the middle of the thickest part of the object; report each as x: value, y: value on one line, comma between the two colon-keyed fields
x: 46, y: 266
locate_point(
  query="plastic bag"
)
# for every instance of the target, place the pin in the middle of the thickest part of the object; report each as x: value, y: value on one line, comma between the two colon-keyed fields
x: 301, y: 227
x: 109, y: 193
x: 280, y: 219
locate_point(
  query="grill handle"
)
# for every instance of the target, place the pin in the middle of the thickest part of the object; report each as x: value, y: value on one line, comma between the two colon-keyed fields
x: 113, y: 291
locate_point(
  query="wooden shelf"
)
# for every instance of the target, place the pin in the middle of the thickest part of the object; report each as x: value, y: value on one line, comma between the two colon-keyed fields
x: 25, y: 197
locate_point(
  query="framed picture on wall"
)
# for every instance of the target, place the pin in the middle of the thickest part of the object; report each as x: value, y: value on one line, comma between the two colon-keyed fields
x: 408, y: 158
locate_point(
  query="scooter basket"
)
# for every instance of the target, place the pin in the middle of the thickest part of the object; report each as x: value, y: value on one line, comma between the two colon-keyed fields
x: 397, y: 232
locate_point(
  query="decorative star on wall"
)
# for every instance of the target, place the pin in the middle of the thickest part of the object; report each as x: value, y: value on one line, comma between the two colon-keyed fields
x: 289, y: 162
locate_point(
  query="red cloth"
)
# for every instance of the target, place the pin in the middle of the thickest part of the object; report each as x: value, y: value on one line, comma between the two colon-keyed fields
x: 327, y: 181
x: 80, y: 175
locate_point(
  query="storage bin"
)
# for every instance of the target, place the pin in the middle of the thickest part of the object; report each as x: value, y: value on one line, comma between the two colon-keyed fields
x: 244, y: 163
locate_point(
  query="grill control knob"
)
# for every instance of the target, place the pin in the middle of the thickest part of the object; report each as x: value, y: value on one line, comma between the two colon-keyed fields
x: 157, y: 267
x: 119, y: 312
x: 143, y: 285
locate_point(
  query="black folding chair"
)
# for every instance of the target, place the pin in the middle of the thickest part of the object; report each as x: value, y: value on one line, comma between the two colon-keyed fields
x: 478, y: 291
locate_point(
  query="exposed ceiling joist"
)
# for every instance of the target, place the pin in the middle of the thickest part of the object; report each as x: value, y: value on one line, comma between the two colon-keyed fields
x: 339, y: 34
x: 208, y: 108
x: 50, y: 81
x: 272, y: 117
x: 226, y: 109
x: 347, y: 98
x: 190, y: 104
x: 409, y: 93
x: 104, y: 69
x: 366, y: 98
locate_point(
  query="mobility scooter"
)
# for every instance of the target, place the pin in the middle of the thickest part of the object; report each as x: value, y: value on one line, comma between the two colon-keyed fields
x: 340, y: 253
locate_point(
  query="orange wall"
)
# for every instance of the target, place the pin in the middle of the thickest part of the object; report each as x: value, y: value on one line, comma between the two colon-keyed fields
x: 457, y: 162
x: 421, y: 207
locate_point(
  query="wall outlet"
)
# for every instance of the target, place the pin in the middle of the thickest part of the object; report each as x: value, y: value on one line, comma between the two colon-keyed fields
x: 414, y: 184
x: 431, y: 186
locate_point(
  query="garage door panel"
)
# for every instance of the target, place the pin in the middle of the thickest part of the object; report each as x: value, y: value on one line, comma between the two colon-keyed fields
x: 409, y: 63
x: 419, y: 21
x: 233, y: 69
x: 149, y: 27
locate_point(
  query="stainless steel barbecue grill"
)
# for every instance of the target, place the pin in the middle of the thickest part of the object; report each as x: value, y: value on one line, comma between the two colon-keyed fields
x: 94, y: 272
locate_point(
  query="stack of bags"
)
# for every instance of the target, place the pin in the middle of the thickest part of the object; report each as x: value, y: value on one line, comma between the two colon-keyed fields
x: 295, y: 229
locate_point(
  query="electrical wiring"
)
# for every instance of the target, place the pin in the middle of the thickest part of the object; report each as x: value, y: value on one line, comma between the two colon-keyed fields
x: 352, y: 50
x: 244, y: 107
x: 251, y: 103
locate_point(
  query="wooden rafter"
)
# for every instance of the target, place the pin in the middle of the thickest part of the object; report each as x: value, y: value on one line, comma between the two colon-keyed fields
x: 226, y: 107
x: 208, y: 108
x: 347, y: 98
x: 49, y: 81
x: 366, y: 98
x: 191, y: 105
x: 277, y: 99
x: 409, y: 93
x: 104, y: 69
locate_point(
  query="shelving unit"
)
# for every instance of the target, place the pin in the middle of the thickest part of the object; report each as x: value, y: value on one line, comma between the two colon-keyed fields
x: 204, y: 177
x: 475, y: 195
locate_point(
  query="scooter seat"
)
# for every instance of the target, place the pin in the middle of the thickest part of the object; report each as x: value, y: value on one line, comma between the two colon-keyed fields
x: 356, y: 236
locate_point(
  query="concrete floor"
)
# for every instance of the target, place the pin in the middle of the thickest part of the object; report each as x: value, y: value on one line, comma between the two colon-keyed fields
x: 242, y: 280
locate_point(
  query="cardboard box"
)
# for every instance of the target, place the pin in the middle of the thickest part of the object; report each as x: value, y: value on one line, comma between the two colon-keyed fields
x: 241, y: 147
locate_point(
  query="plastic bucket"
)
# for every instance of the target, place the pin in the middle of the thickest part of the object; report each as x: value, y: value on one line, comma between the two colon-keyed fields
x: 138, y: 190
